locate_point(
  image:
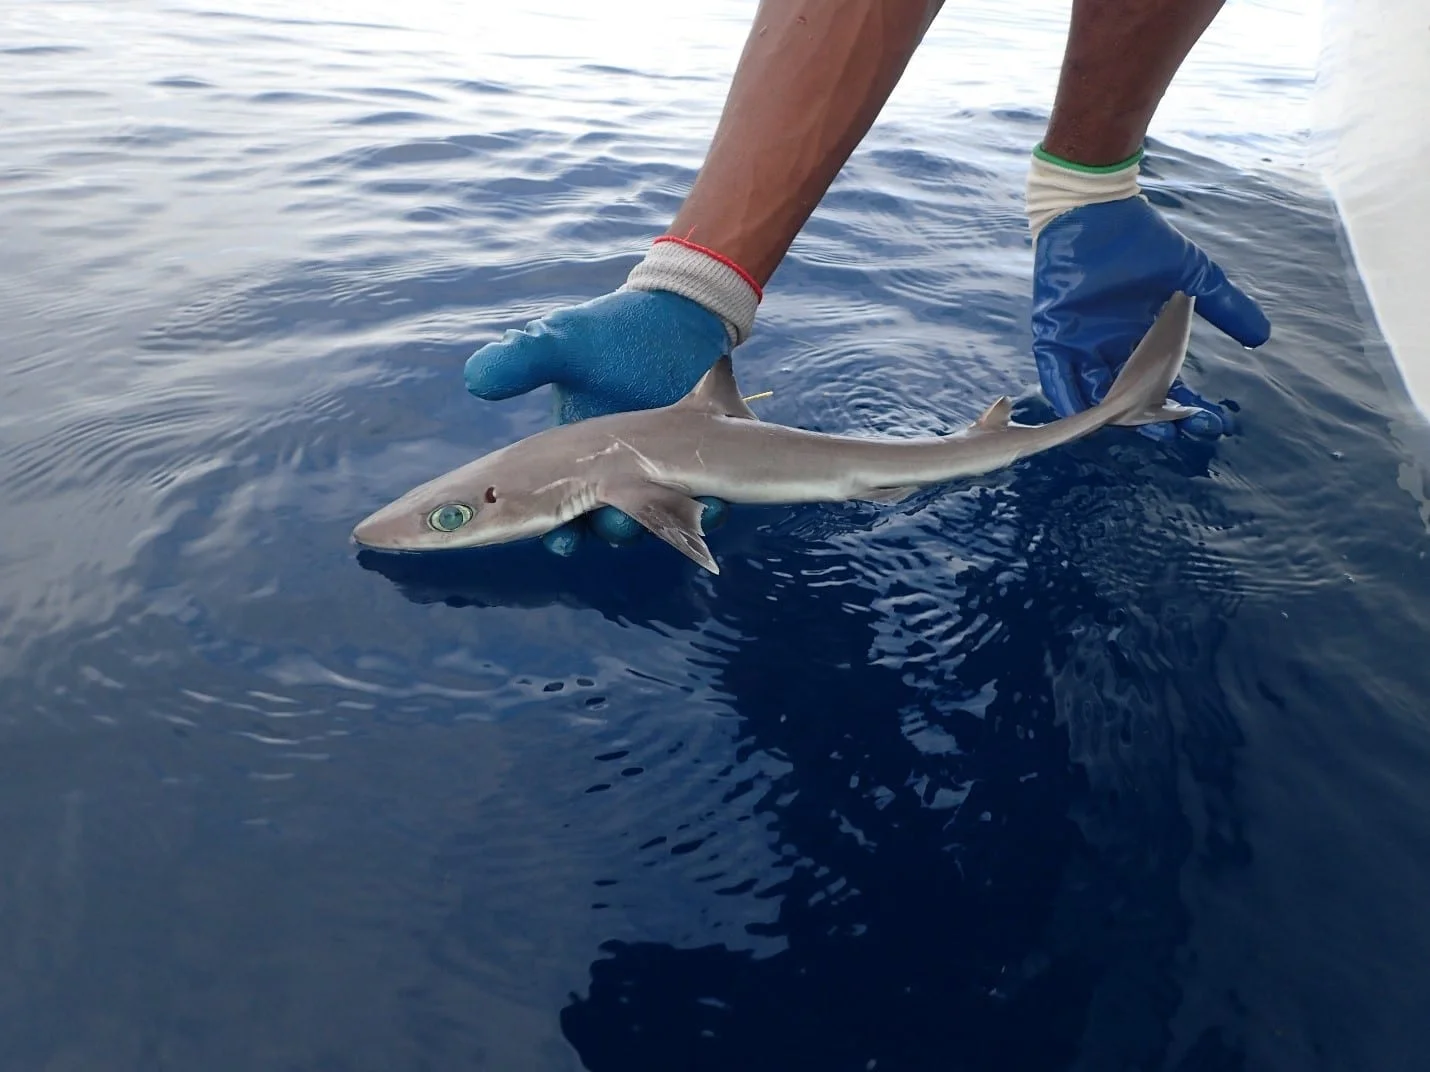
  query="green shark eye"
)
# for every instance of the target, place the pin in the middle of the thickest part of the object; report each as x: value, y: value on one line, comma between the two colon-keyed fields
x: 450, y: 518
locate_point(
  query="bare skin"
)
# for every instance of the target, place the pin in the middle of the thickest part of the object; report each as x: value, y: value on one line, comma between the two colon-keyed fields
x: 810, y: 83
x: 814, y: 75
x: 1120, y: 58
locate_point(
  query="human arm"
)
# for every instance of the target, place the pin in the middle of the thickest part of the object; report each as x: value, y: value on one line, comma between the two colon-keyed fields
x: 811, y: 80
x: 1121, y: 56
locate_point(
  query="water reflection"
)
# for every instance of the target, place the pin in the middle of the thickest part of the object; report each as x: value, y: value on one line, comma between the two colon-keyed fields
x: 906, y: 733
x: 1113, y: 760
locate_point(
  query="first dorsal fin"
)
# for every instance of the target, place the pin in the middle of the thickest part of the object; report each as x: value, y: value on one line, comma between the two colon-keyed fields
x: 995, y: 417
x: 717, y: 393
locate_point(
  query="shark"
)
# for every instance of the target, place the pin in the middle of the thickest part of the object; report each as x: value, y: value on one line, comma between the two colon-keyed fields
x: 655, y: 464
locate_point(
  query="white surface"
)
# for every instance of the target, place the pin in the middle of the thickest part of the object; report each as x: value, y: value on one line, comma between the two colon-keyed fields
x: 1372, y: 95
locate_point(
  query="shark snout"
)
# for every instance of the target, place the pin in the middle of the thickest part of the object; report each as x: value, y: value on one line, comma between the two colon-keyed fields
x: 364, y: 536
x: 383, y: 532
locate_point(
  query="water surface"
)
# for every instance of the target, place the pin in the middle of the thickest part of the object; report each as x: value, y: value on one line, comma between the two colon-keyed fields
x: 1113, y: 760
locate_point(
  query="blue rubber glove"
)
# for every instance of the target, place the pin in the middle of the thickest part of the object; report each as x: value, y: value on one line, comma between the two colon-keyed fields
x: 1101, y: 273
x: 631, y: 349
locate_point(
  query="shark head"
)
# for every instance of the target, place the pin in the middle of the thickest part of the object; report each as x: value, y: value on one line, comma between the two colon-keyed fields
x: 494, y: 499
x: 541, y: 482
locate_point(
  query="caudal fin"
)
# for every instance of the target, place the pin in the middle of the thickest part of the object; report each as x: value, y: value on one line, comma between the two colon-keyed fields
x: 1139, y: 394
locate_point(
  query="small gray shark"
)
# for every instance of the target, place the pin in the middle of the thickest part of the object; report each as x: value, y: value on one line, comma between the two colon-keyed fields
x: 654, y: 463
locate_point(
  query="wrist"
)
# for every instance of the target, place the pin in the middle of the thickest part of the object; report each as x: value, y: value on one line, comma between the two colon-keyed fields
x: 706, y: 277
x: 1056, y: 185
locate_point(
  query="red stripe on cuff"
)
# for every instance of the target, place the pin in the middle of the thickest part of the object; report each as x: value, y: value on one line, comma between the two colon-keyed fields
x: 726, y: 261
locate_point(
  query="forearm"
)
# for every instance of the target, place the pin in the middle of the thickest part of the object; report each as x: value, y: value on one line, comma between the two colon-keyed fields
x: 1120, y: 58
x: 811, y: 80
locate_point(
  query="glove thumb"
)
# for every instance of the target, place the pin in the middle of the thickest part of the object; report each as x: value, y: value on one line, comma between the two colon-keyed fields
x: 1226, y: 306
x: 518, y: 362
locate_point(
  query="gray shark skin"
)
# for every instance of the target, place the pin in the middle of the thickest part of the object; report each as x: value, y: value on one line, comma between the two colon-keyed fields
x: 654, y: 463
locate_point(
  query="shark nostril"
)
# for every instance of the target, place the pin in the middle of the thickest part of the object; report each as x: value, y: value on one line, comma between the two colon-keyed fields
x: 491, y: 495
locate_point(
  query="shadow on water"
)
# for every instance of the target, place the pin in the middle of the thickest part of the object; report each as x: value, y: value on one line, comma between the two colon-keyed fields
x: 525, y: 575
x: 980, y: 806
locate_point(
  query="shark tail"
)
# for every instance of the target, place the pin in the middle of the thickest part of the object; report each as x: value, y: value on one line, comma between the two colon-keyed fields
x: 1139, y: 394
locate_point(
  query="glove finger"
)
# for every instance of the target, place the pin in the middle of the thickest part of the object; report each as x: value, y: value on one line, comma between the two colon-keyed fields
x: 564, y: 539
x: 1059, y: 380
x: 1096, y: 379
x: 1162, y: 431
x: 615, y: 526
x: 1226, y: 306
x: 1210, y: 423
x: 716, y: 513
x: 619, y: 528
x: 520, y: 361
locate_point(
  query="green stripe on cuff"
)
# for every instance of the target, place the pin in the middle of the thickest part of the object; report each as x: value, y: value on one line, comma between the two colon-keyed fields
x: 1087, y: 169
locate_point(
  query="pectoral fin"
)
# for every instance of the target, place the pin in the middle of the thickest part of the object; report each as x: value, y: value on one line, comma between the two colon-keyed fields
x: 672, y: 515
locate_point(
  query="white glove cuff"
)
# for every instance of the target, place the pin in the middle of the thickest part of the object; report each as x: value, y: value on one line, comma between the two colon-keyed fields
x: 703, y: 276
x: 1056, y: 186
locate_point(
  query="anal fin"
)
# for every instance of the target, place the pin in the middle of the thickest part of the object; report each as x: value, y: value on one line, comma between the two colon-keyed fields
x: 664, y: 512
x: 886, y: 495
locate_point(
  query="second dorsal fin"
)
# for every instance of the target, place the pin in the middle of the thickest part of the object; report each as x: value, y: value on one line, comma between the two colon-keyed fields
x: 717, y: 393
x: 995, y: 417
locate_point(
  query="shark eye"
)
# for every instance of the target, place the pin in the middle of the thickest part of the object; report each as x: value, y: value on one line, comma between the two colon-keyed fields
x: 450, y: 518
x: 491, y: 495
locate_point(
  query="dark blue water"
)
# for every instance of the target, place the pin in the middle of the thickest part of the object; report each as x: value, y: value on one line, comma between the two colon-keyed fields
x: 1113, y: 760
